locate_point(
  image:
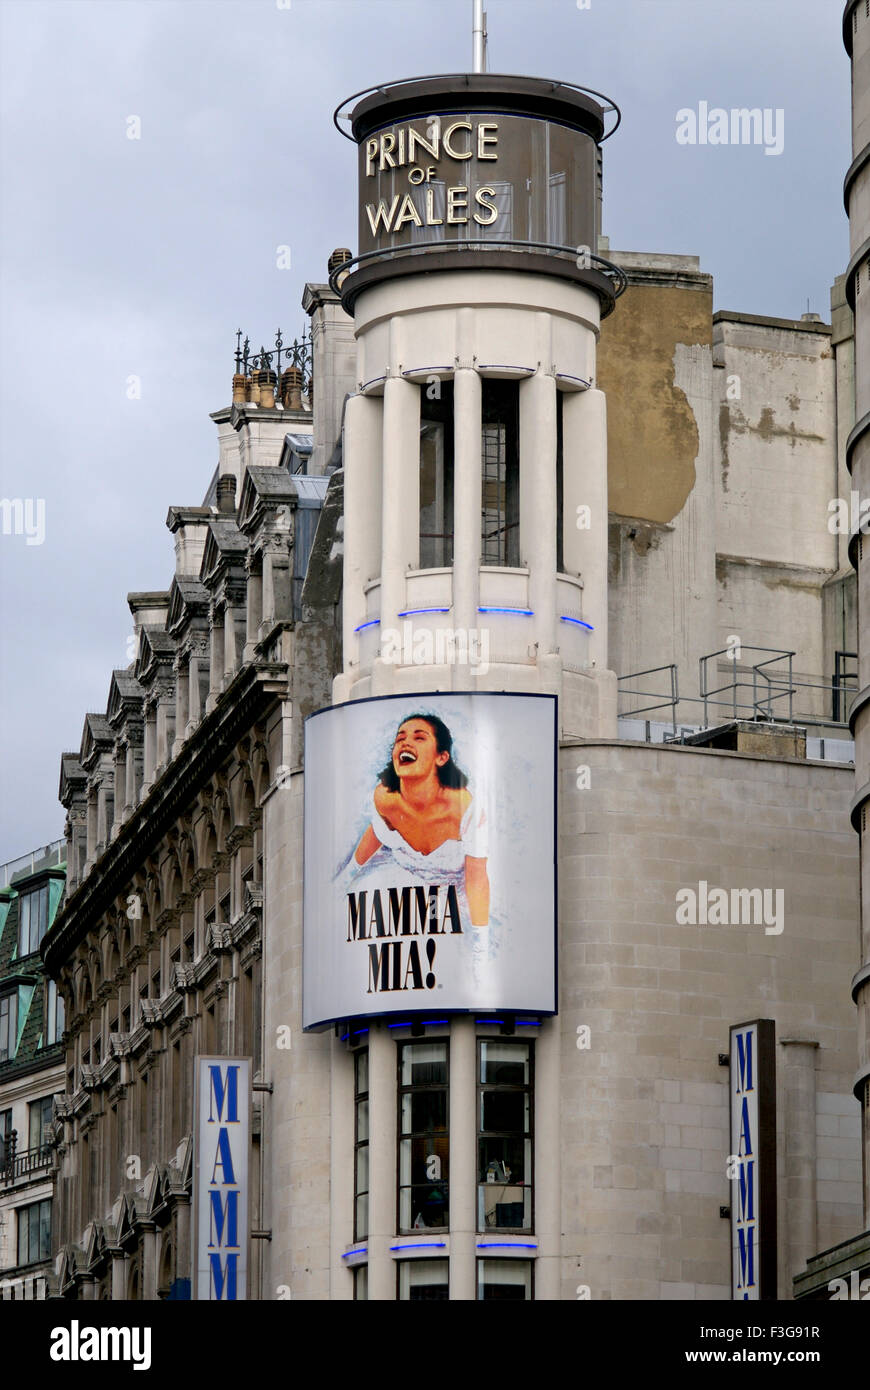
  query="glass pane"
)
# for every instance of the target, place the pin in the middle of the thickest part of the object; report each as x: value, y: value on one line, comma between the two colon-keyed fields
x: 424, y: 1064
x: 362, y: 1218
x: 361, y: 1282
x: 423, y: 1206
x: 362, y: 1169
x: 362, y: 1072
x: 504, y: 1064
x: 424, y: 1111
x: 505, y: 1110
x: 504, y: 1280
x: 423, y: 1279
x: 436, y: 545
x: 362, y: 1121
x: 405, y: 1161
x: 44, y: 1230
x: 504, y: 1160
x: 503, y: 1206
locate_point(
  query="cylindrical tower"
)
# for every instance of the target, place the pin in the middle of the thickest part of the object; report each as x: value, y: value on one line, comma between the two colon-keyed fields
x: 475, y: 560
x: 856, y: 192
x: 475, y: 446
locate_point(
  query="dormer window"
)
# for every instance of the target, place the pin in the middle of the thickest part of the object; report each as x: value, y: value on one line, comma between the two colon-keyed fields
x: 32, y: 919
x: 8, y: 1025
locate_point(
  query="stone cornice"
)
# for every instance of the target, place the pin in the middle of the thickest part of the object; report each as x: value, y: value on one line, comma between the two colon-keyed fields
x: 253, y: 690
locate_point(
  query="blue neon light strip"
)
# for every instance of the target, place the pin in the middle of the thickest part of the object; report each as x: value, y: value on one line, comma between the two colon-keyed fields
x: 372, y: 622
x: 520, y: 612
x: 507, y: 1245
x: 528, y: 1023
x: 489, y: 1020
x: 356, y: 1034
x: 363, y: 1250
x: 410, y: 612
x: 578, y: 622
x: 422, y: 1245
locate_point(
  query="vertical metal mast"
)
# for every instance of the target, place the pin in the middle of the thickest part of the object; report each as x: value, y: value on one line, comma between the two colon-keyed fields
x: 478, y: 37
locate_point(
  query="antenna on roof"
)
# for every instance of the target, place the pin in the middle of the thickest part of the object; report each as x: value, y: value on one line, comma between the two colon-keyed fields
x: 478, y: 37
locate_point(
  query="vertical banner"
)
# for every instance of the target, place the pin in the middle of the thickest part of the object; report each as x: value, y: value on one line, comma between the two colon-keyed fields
x: 221, y: 1161
x: 752, y: 1167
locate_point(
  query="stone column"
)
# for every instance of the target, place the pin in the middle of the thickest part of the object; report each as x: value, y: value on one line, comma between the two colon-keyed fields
x: 463, y: 1157
x: 382, y: 1163
x: 538, y: 503
x: 120, y: 797
x: 584, y: 471
x: 547, y: 1166
x: 119, y: 1275
x: 182, y: 702
x: 466, y: 499
x: 400, y: 511
x: 254, y: 610
x: 363, y: 447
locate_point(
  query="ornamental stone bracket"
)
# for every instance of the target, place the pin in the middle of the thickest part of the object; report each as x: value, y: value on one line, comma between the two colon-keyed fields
x: 220, y: 938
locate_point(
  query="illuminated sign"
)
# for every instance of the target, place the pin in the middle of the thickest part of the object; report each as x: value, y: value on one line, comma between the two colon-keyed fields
x: 223, y: 1139
x: 430, y: 875
x: 752, y: 1160
x: 478, y: 175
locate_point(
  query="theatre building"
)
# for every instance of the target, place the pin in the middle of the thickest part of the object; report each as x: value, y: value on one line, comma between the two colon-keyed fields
x: 462, y: 893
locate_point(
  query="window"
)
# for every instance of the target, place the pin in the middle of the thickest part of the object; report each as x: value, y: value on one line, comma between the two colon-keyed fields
x: 505, y: 1137
x: 8, y: 1025
x: 34, y: 1232
x: 361, y: 1283
x: 32, y: 919
x: 423, y: 1280
x: 54, y: 1014
x: 423, y: 1139
x: 436, y: 475
x: 504, y: 1280
x: 5, y: 1136
x: 361, y: 1147
x: 500, y: 515
x: 40, y: 1122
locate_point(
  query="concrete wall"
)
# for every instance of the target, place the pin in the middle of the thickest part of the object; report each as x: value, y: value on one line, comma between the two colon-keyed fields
x: 644, y: 1109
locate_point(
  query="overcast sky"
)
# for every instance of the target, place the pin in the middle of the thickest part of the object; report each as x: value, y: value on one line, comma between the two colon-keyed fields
x: 126, y: 257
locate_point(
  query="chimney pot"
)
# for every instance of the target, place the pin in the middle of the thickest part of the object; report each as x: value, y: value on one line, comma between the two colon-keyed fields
x: 226, y: 494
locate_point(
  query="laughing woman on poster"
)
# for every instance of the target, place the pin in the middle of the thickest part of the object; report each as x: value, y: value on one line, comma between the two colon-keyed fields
x: 434, y: 828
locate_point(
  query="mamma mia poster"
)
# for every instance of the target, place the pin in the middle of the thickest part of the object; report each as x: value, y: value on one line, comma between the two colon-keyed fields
x: 430, y: 876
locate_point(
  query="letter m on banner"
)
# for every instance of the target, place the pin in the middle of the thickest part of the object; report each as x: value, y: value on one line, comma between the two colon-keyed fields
x: 222, y: 1133
x: 752, y: 1106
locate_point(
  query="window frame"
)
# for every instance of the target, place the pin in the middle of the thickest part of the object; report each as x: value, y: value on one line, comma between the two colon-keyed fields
x: 481, y: 1133
x: 9, y: 998
x: 359, y: 1098
x: 402, y: 1265
x: 19, y: 1213
x: 40, y: 892
x: 402, y: 1090
x: 500, y: 407
x: 483, y: 1261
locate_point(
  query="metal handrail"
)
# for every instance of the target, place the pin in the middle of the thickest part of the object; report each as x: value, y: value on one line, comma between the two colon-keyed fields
x: 608, y: 269
x: 609, y: 104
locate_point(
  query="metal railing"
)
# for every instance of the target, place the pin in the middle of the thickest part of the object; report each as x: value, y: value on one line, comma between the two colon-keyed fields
x: 668, y: 702
x: 765, y: 690
x: 15, y: 1164
x: 49, y: 856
